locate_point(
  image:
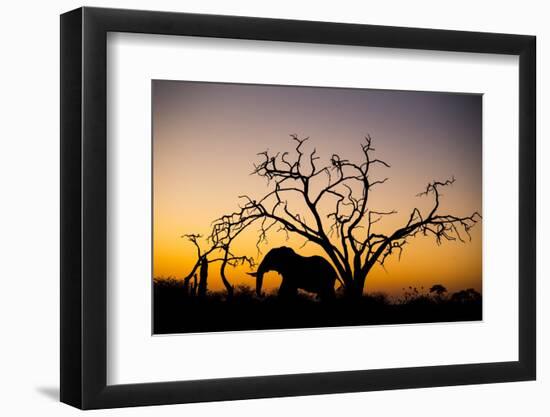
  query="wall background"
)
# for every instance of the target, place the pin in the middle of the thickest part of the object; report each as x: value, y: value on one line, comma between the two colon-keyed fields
x: 29, y: 219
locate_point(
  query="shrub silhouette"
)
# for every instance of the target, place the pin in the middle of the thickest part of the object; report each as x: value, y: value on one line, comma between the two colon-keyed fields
x: 466, y: 296
x: 438, y: 290
x: 176, y: 311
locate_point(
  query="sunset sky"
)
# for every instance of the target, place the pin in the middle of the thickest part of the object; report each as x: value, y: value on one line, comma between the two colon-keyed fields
x: 206, y: 137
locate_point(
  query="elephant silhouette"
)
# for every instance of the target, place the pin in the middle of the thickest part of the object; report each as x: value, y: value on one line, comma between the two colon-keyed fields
x: 313, y: 273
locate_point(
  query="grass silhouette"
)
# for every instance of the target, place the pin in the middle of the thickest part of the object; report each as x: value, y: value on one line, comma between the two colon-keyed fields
x: 176, y: 311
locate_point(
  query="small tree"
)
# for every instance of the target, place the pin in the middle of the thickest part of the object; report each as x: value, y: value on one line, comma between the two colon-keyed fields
x: 218, y: 251
x: 439, y: 291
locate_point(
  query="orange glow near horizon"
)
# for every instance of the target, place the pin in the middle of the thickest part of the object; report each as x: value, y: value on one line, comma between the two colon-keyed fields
x: 206, y: 137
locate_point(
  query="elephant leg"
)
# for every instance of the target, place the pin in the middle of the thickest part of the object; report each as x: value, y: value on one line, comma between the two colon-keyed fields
x: 287, y: 290
x: 328, y: 293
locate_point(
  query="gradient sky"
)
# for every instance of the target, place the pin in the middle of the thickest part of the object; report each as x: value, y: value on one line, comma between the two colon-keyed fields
x: 206, y: 137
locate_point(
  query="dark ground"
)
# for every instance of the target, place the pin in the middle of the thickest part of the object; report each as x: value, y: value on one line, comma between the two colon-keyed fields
x: 178, y: 312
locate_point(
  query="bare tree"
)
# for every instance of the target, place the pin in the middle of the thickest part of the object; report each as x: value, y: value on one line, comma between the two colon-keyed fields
x: 346, y: 234
x: 218, y: 251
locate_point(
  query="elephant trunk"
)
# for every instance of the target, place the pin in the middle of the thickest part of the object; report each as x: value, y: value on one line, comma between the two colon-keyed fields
x: 262, y: 269
x: 259, y: 282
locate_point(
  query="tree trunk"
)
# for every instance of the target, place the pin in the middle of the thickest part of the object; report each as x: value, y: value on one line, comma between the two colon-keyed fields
x: 187, y: 279
x: 203, y: 277
x: 194, y: 286
x: 355, y: 289
x: 226, y: 283
x: 186, y: 285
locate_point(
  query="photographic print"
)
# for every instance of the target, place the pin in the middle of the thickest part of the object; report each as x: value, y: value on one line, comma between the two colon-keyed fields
x: 280, y: 207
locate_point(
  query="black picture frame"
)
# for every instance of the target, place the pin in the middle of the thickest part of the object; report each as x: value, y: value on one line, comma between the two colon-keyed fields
x: 84, y: 207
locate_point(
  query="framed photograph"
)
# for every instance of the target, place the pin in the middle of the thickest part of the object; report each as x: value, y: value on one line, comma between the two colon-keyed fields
x: 256, y: 208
